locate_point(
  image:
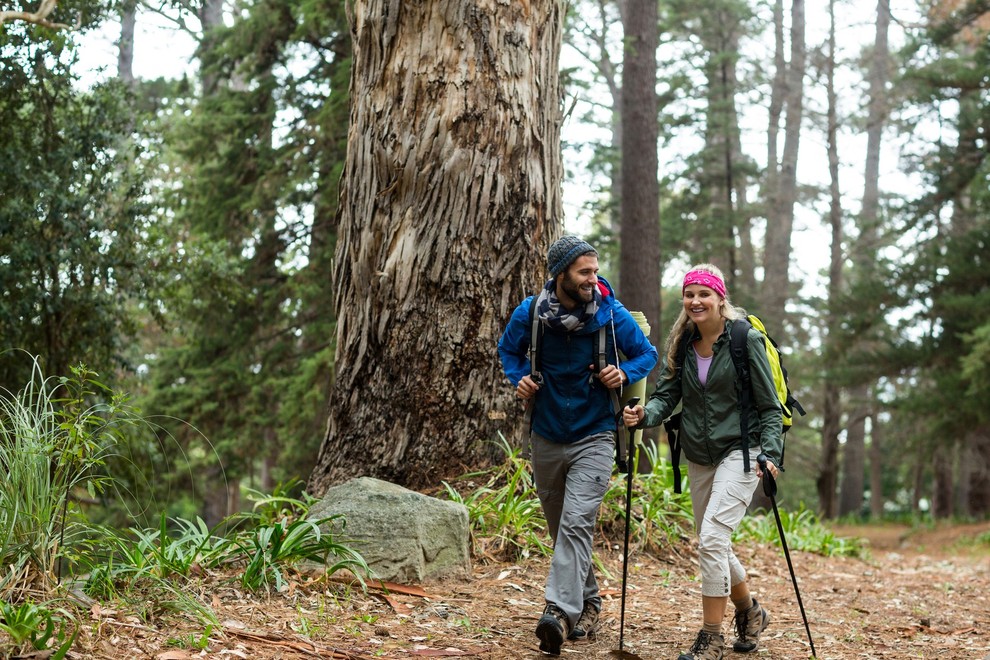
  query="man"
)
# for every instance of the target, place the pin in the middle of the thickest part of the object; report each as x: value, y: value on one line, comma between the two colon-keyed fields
x: 573, y: 426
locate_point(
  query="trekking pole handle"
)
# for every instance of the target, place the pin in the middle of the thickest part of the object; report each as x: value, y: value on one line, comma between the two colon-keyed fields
x: 769, y: 483
x: 631, y: 445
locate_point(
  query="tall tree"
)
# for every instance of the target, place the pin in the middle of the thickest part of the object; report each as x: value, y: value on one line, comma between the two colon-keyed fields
x: 125, y: 44
x: 73, y: 221
x: 255, y: 159
x: 724, y: 179
x: 451, y: 194
x: 781, y: 188
x: 639, y: 263
x: 865, y: 251
x: 831, y: 408
x: 948, y: 269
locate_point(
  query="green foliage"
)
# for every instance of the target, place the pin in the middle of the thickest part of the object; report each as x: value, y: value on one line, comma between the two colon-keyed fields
x: 32, y: 626
x: 261, y: 546
x: 72, y: 217
x: 253, y: 168
x: 278, y: 533
x: 505, y: 514
x: 659, y: 516
x: 191, y: 641
x: 53, y: 442
x: 804, y: 532
x: 168, y: 552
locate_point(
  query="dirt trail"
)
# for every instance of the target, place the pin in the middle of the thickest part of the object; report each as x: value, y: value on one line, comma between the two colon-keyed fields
x: 921, y: 594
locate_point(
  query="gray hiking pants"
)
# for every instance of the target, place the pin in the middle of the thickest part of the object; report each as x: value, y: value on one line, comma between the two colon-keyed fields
x: 571, y: 480
x: 719, y: 496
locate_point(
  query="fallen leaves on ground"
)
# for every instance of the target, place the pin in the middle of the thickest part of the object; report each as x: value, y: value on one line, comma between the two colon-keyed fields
x: 916, y: 596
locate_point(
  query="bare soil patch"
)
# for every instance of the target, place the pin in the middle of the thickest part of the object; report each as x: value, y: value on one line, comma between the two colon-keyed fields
x: 920, y: 594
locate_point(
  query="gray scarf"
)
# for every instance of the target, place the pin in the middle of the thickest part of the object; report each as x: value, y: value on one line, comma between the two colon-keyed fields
x: 558, y: 317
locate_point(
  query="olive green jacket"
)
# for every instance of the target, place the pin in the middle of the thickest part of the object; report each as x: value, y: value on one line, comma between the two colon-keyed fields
x: 710, y: 413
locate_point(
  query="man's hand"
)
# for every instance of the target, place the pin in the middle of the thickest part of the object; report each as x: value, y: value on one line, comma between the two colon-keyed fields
x: 526, y: 388
x: 611, y: 376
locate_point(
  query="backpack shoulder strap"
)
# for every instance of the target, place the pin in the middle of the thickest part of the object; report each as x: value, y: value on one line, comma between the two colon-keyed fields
x: 672, y: 425
x: 739, y: 351
x: 536, y: 334
x: 534, y: 340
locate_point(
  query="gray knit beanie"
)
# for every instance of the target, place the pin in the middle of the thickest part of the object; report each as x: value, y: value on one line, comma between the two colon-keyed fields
x: 564, y: 251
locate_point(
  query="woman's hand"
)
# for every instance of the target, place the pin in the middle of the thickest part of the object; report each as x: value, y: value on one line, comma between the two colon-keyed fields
x: 633, y: 416
x: 771, y: 468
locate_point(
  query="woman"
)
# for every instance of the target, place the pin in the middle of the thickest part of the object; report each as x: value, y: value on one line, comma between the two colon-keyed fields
x: 702, y: 379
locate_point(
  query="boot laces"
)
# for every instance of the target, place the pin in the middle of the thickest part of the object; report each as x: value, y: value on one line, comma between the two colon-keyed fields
x: 703, y: 641
x: 742, y: 623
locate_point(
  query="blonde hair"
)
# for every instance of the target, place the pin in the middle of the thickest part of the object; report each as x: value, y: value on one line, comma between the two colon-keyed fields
x: 684, y: 324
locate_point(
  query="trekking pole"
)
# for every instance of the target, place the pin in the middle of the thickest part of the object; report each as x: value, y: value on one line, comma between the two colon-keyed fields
x: 631, y: 452
x: 770, y: 490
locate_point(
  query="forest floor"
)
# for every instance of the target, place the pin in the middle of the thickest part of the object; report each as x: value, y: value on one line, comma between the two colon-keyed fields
x: 920, y: 593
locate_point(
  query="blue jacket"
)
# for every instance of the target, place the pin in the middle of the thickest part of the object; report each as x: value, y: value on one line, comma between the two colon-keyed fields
x: 571, y: 406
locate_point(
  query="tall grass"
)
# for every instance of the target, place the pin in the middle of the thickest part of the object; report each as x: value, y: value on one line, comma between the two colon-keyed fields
x: 804, y: 532
x: 505, y: 515
x: 57, y: 436
x: 53, y: 440
x: 659, y: 516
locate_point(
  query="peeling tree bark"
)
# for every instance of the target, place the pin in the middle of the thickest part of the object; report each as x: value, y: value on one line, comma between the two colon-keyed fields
x: 450, y: 195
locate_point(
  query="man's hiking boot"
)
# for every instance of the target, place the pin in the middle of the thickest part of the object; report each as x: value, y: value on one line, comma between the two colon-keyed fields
x: 552, y: 629
x: 706, y: 647
x: 749, y: 624
x: 587, y: 623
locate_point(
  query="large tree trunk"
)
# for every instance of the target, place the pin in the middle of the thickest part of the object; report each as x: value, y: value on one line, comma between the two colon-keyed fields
x: 943, y: 500
x: 451, y: 194
x: 977, y: 502
x: 783, y: 195
x: 720, y: 38
x: 210, y: 15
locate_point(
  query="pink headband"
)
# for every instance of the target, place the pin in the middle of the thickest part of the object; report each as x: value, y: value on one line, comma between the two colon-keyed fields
x: 712, y: 281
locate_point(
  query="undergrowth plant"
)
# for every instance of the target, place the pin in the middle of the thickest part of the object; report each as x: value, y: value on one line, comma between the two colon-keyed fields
x: 505, y: 515
x: 56, y: 438
x: 32, y: 628
x: 804, y: 532
x: 277, y: 534
x: 257, y: 549
x: 659, y: 516
x: 55, y: 434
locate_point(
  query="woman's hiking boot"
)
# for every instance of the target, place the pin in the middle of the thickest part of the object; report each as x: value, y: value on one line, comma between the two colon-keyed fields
x: 749, y: 624
x: 552, y: 629
x: 587, y: 623
x: 707, y: 646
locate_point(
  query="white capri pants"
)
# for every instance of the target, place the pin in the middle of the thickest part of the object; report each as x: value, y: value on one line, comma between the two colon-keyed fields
x: 720, y: 495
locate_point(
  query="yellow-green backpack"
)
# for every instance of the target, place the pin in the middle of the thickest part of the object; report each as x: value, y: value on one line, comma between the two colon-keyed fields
x: 740, y: 359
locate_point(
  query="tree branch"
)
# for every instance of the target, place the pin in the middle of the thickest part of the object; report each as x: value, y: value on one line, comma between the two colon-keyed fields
x: 39, y: 17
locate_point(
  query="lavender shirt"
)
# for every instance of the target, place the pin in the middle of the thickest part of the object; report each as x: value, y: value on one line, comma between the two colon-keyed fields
x: 704, y: 363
